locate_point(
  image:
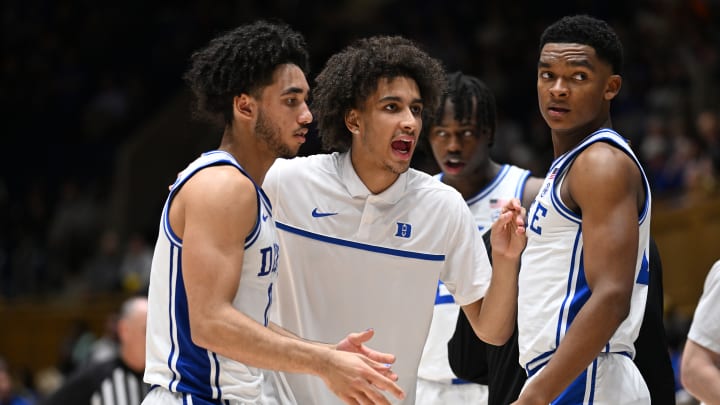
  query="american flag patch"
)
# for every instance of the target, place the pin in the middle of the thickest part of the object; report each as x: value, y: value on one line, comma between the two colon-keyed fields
x: 553, y: 173
x: 496, y: 203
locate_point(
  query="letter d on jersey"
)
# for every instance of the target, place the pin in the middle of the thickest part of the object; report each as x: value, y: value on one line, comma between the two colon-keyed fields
x: 403, y: 230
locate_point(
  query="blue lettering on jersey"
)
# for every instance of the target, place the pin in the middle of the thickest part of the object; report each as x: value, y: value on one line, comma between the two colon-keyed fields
x: 403, y: 230
x: 441, y: 298
x: 270, y: 256
x: 539, y: 211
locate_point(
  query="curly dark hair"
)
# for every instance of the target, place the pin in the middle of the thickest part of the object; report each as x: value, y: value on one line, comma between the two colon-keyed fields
x: 352, y: 75
x: 469, y: 95
x: 587, y: 30
x: 242, y: 60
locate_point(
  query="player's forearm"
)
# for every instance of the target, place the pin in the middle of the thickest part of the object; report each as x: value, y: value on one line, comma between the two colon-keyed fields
x: 701, y: 372
x: 284, y: 332
x: 494, y: 322
x: 237, y: 336
x: 593, y: 327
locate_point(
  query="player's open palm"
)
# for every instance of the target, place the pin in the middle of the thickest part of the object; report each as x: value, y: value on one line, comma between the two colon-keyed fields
x: 356, y: 379
x: 354, y: 342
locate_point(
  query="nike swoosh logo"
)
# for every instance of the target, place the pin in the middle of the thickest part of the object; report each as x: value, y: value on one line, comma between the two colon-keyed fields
x: 264, y: 218
x: 317, y: 214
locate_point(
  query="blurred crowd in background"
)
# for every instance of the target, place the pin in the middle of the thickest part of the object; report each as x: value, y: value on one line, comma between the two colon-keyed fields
x: 80, y: 77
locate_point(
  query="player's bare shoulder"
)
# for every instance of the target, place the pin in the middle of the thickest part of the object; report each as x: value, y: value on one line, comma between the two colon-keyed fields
x: 220, y: 191
x: 603, y: 172
x: 602, y: 162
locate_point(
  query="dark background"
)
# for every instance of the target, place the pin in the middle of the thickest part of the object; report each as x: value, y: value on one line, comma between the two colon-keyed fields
x: 96, y: 119
x: 96, y: 124
x: 83, y: 80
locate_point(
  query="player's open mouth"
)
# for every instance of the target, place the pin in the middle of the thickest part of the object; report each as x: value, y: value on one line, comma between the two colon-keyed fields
x: 454, y: 163
x: 402, y: 146
x: 453, y: 166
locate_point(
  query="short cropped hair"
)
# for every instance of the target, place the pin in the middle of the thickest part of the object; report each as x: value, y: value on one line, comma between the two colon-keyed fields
x: 586, y: 30
x: 239, y: 61
x: 472, y: 100
x: 352, y: 75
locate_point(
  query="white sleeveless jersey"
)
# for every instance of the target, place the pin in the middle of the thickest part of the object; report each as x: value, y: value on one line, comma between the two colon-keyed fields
x: 552, y: 284
x: 173, y: 360
x: 485, y: 206
x: 353, y: 260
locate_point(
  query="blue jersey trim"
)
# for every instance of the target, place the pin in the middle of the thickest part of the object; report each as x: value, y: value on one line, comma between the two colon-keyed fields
x: 520, y: 188
x: 194, y: 399
x: 571, y: 271
x: 490, y: 187
x: 358, y: 245
x: 644, y: 273
x: 534, y: 365
x: 172, y: 237
x: 613, y: 141
x: 193, y: 363
x: 582, y: 293
x: 175, y: 376
x: 575, y: 392
x: 252, y: 237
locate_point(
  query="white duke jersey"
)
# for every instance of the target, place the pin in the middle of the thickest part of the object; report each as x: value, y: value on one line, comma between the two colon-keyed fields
x: 173, y: 360
x: 485, y: 206
x: 353, y: 260
x: 552, y: 283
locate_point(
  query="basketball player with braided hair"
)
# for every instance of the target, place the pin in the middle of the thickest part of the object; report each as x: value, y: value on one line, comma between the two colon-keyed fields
x: 460, y: 137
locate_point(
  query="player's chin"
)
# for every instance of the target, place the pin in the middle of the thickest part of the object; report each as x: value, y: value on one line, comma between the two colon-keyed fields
x: 288, y: 151
x: 399, y: 167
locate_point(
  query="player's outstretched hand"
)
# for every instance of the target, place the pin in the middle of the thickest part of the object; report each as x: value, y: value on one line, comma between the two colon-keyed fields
x: 357, y: 379
x: 354, y: 342
x: 507, y: 236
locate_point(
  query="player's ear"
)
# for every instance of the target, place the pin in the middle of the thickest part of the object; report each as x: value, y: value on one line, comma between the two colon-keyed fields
x: 244, y: 106
x: 352, y: 122
x: 612, y: 88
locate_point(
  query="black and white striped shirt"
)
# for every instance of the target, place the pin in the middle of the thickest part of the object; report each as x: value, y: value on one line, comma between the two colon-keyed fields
x: 106, y: 383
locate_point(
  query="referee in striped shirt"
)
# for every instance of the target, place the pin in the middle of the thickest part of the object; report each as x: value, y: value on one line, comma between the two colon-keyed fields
x: 118, y: 381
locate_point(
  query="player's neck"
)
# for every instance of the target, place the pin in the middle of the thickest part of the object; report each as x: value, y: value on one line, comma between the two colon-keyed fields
x: 565, y: 140
x: 374, y: 176
x: 472, y: 183
x: 252, y: 155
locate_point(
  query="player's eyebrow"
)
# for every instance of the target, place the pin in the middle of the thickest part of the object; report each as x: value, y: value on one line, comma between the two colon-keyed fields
x: 577, y: 63
x: 399, y: 99
x: 292, y: 90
